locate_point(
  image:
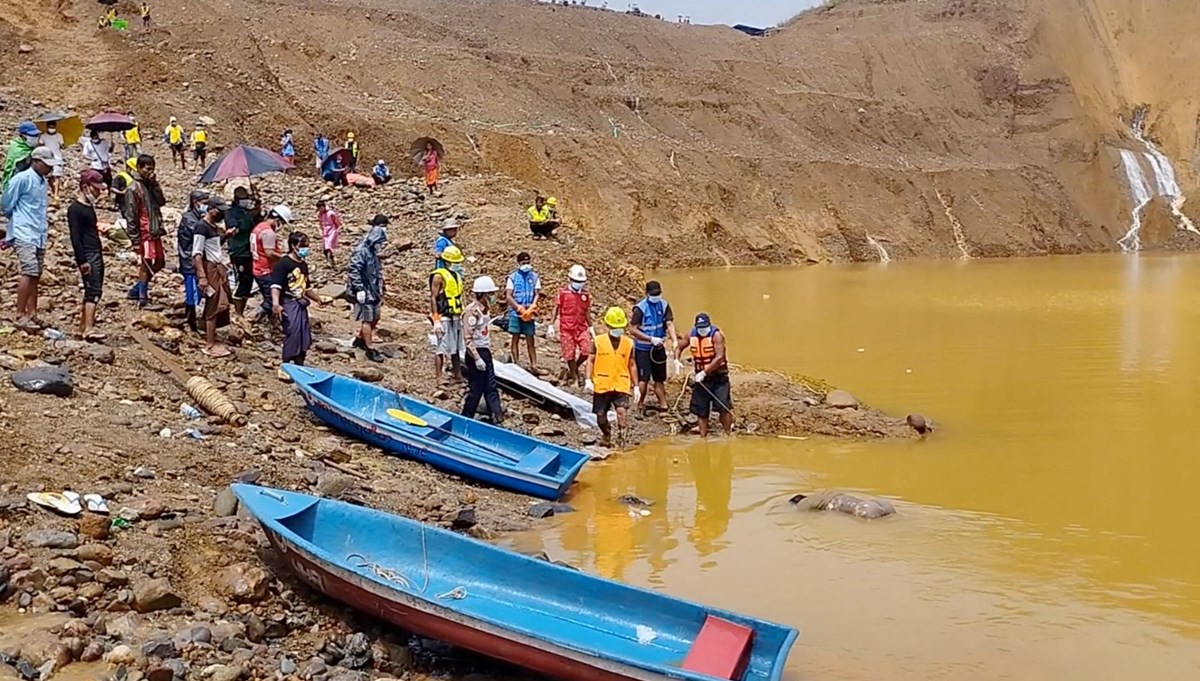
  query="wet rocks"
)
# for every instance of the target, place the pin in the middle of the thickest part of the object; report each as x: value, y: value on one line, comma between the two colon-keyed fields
x: 55, y: 381
x: 919, y: 424
x: 222, y: 672
x: 51, y: 539
x: 243, y: 582
x: 154, y: 594
x: 545, y: 509
x: 368, y: 374
x: 634, y: 500
x: 840, y: 399
x: 225, y: 504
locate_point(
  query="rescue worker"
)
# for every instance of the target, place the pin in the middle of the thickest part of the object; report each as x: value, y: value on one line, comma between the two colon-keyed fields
x: 480, y: 370
x: 523, y: 291
x: 133, y: 138
x: 573, y: 312
x: 173, y: 136
x: 651, y: 324
x: 542, y: 220
x: 610, y: 372
x: 366, y: 284
x: 145, y: 15
x: 266, y: 252
x: 446, y: 309
x: 710, y: 387
x: 122, y: 181
x: 200, y: 144
x: 352, y: 146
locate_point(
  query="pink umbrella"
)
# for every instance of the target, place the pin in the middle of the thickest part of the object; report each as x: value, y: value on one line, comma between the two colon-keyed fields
x: 110, y: 122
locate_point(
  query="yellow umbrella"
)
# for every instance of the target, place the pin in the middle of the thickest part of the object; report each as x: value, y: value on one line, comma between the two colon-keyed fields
x: 69, y: 126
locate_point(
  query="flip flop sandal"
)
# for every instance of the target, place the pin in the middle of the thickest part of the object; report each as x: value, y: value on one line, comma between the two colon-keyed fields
x: 96, y: 503
x: 54, y: 501
x: 95, y: 336
x: 217, y: 355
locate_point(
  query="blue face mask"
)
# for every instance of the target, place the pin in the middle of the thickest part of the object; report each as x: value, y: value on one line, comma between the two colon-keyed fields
x: 526, y: 268
x: 457, y: 269
x: 302, y: 252
x: 577, y: 286
x: 616, y: 333
x: 704, y: 332
x: 654, y: 299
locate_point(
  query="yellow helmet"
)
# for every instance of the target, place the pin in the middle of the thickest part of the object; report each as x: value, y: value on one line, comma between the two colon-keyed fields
x: 614, y: 318
x: 131, y: 163
x: 349, y: 135
x: 551, y: 201
x: 453, y: 254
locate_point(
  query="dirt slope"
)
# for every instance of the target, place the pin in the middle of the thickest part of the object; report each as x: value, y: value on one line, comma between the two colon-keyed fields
x: 937, y: 129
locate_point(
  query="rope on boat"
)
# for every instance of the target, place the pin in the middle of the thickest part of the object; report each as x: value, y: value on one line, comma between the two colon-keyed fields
x: 457, y: 593
x: 382, y: 572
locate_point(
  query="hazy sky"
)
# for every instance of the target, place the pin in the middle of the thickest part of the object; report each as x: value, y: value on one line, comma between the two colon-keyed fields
x: 753, y: 12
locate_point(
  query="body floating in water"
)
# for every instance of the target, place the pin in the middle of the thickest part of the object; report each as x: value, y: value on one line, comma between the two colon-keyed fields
x: 844, y: 503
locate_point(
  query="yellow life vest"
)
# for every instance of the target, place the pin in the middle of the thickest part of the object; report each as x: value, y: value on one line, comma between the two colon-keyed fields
x: 199, y: 137
x: 174, y: 134
x: 450, y: 299
x: 536, y: 215
x: 145, y: 10
x: 133, y: 136
x: 610, y: 372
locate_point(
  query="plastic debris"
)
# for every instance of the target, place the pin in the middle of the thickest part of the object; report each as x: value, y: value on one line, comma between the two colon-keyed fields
x: 645, y: 634
x: 189, y: 411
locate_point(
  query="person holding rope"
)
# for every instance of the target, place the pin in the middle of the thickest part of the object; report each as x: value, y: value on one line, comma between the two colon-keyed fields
x: 711, y: 383
x: 651, y: 324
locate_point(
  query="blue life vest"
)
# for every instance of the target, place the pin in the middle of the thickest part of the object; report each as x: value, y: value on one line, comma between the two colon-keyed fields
x: 524, y: 287
x: 654, y: 322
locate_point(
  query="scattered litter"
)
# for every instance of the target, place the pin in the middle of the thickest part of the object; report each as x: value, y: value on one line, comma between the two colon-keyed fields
x: 56, y: 502
x: 908, y: 371
x: 120, y: 524
x: 862, y: 349
x: 766, y: 296
x: 165, y: 433
x: 53, y: 334
x: 189, y: 411
x: 645, y: 634
x: 194, y: 434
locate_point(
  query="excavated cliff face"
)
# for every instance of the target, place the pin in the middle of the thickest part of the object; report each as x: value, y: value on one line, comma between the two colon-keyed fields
x: 933, y: 128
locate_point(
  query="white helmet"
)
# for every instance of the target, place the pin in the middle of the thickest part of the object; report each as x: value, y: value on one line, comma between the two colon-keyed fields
x: 484, y: 284
x: 282, y: 212
x: 577, y: 273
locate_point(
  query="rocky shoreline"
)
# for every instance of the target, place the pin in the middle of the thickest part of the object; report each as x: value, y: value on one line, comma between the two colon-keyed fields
x: 174, y: 583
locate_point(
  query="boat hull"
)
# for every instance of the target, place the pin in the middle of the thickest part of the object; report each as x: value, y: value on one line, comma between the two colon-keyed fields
x: 415, y: 616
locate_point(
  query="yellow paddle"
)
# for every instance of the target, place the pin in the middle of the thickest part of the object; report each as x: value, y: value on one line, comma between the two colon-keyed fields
x: 413, y: 419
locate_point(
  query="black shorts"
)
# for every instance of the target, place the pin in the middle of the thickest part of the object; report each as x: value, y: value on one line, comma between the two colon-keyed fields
x: 543, y: 228
x: 602, y: 403
x: 243, y: 271
x: 93, y: 282
x: 651, y: 364
x: 713, y: 393
x: 198, y: 150
x: 177, y: 149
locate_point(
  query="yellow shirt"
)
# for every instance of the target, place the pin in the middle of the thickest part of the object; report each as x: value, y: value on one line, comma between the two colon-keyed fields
x: 199, y: 137
x: 133, y: 136
x: 174, y: 134
x: 536, y: 215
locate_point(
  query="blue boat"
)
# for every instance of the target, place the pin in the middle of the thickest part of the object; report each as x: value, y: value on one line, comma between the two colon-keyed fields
x: 551, y: 619
x: 445, y: 440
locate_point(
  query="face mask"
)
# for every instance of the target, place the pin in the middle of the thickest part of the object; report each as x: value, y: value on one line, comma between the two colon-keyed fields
x: 654, y: 299
x: 245, y: 203
x: 577, y: 286
x: 302, y: 252
x: 616, y: 333
x: 704, y: 332
x: 526, y: 268
x: 31, y: 139
x: 457, y: 269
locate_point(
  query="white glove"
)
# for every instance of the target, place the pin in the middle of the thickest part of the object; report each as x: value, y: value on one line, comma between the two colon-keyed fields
x: 480, y: 364
x: 361, y: 297
x: 656, y: 342
x: 588, y: 386
x: 551, y: 332
x: 700, y: 376
x: 677, y: 367
x: 637, y: 394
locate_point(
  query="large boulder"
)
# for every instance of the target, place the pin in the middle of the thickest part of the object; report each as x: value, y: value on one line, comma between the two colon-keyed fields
x: 243, y: 582
x: 840, y: 399
x: 45, y: 380
x: 154, y: 594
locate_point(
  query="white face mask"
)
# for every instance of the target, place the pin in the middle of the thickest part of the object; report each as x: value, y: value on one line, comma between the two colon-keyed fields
x: 704, y: 332
x: 577, y: 286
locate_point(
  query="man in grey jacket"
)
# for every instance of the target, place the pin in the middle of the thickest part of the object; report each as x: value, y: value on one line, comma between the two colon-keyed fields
x: 366, y: 285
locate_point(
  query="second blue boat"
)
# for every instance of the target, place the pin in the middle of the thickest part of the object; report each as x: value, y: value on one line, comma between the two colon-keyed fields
x: 420, y: 431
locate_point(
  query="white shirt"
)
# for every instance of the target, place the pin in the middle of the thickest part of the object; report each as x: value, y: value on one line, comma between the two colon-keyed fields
x: 97, y: 153
x: 54, y: 143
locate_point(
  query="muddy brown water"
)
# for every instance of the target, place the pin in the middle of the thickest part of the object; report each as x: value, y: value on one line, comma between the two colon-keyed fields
x: 1045, y: 532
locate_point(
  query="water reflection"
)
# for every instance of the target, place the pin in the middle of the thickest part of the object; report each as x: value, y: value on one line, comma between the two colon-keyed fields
x: 1147, y: 315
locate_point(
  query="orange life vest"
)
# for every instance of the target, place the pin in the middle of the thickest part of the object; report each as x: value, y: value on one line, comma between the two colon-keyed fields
x: 703, y: 349
x: 610, y: 372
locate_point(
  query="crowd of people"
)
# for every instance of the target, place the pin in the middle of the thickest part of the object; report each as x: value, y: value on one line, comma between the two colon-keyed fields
x: 226, y: 250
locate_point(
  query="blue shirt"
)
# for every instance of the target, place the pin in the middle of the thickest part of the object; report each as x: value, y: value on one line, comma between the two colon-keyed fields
x: 25, y: 203
x: 442, y: 243
x: 321, y: 146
